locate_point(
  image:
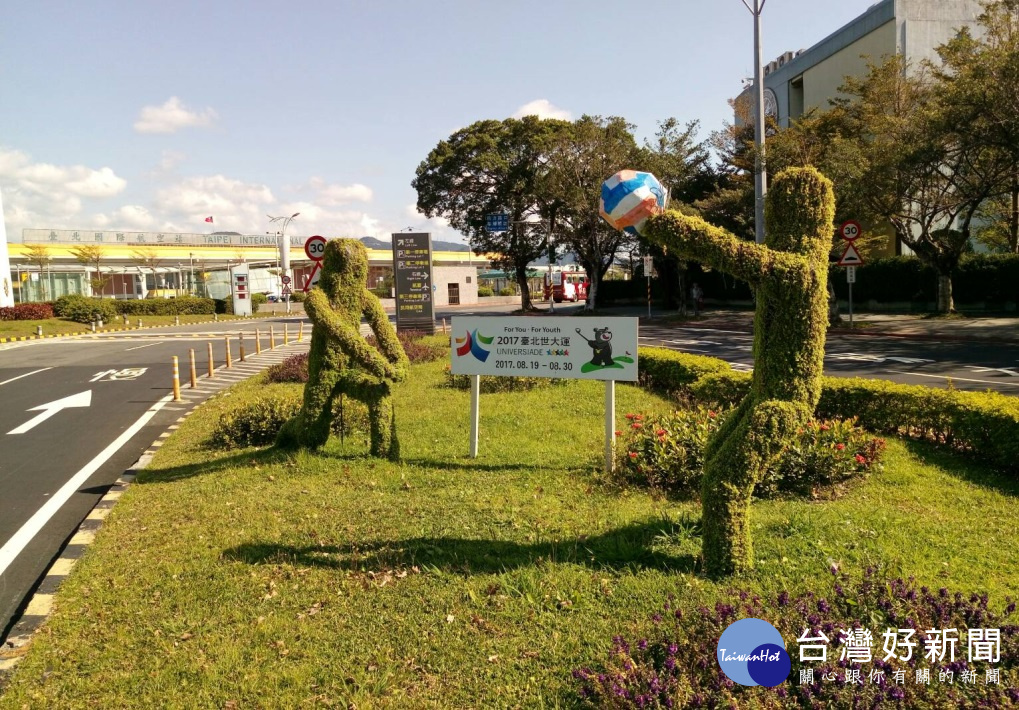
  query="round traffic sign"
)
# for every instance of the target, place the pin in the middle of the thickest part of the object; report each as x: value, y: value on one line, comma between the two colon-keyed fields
x: 315, y: 248
x: 850, y: 230
x: 285, y: 279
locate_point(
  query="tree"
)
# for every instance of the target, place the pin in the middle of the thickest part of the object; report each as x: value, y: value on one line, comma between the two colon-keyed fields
x: 494, y: 167
x: 39, y: 255
x: 92, y: 255
x: 683, y: 164
x: 581, y: 159
x: 918, y: 168
x: 978, y: 80
x: 147, y: 257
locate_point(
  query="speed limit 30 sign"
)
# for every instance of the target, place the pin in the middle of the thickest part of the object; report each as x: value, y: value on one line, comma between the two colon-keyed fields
x: 850, y: 230
x: 315, y: 248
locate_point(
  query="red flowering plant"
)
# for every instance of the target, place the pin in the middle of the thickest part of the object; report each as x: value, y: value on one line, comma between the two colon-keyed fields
x: 666, y: 453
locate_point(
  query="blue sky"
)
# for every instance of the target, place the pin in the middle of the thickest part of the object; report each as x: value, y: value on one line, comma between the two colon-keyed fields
x: 152, y: 115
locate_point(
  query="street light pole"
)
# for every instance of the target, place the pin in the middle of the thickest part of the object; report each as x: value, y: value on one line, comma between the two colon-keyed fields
x: 760, y: 171
x: 284, y: 248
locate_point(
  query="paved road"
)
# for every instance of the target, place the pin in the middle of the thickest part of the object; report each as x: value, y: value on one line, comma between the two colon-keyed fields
x: 55, y: 463
x: 968, y: 365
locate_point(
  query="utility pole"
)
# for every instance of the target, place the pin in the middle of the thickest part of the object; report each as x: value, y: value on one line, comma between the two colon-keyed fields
x: 760, y: 171
x: 284, y: 249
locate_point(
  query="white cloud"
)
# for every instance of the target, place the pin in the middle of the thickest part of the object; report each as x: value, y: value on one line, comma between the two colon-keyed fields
x: 338, y: 194
x: 542, y: 108
x: 45, y: 195
x: 128, y: 217
x: 171, y: 117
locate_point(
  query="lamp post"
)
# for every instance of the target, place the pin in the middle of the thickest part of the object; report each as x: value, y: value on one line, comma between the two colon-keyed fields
x: 284, y: 247
x: 191, y: 273
x: 760, y: 172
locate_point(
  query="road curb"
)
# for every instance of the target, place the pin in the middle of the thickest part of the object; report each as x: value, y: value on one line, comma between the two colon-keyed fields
x: 77, y: 333
x: 40, y: 604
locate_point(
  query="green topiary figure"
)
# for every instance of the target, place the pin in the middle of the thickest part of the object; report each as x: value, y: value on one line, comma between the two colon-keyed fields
x: 341, y: 362
x: 789, y: 275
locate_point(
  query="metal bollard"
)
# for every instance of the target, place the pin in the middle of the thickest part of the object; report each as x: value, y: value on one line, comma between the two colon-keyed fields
x: 258, y: 342
x: 126, y: 322
x: 443, y: 326
x: 176, y: 381
x: 93, y: 326
x: 210, y: 361
x: 240, y: 339
x: 286, y: 334
x: 191, y: 357
x: 176, y: 320
x: 139, y: 322
x: 300, y: 332
x: 229, y: 362
x: 215, y: 317
x: 38, y: 330
x: 272, y: 338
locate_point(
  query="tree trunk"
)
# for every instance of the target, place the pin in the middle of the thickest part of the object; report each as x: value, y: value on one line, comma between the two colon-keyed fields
x: 834, y: 318
x: 945, y: 303
x: 681, y: 282
x: 1013, y: 226
x: 525, y: 291
x: 592, y: 292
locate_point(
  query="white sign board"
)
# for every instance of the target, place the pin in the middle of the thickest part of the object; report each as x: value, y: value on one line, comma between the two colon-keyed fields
x: 241, y: 289
x: 557, y: 278
x: 851, y: 274
x: 570, y: 348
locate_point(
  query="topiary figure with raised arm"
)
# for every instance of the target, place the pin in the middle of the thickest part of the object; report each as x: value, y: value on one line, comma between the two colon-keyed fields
x: 341, y: 361
x: 788, y: 274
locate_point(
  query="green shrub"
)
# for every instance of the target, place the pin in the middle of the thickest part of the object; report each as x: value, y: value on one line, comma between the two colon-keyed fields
x: 491, y: 384
x: 82, y: 309
x: 666, y: 453
x: 256, y: 423
x: 669, y: 371
x: 985, y: 424
x: 507, y: 291
x: 258, y: 299
x: 485, y: 291
x: 185, y: 305
x: 298, y: 297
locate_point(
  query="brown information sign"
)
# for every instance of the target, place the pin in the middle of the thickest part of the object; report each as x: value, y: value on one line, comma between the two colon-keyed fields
x: 412, y: 274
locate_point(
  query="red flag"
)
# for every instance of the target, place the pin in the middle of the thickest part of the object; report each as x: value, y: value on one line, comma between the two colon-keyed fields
x: 208, y: 219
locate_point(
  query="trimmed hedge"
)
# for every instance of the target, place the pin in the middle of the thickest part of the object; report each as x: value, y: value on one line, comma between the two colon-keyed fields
x: 186, y: 305
x: 984, y: 424
x: 82, y: 309
x: 27, y: 311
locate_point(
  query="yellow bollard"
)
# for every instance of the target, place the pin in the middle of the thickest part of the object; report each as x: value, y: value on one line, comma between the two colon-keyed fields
x: 191, y: 356
x: 210, y: 361
x: 258, y: 342
x: 240, y: 341
x: 176, y: 381
x: 286, y: 334
x: 300, y: 332
x: 229, y: 362
x: 272, y: 338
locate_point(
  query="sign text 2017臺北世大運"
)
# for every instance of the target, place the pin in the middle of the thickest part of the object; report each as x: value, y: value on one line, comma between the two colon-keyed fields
x: 573, y: 348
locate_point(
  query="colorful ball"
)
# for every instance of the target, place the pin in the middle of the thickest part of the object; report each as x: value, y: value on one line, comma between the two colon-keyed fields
x: 629, y: 197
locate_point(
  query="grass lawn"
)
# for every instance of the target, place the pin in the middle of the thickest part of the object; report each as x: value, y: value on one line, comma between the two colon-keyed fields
x: 59, y: 326
x: 259, y: 579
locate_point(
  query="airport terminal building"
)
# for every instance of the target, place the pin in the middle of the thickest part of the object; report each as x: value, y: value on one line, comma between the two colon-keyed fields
x: 45, y: 264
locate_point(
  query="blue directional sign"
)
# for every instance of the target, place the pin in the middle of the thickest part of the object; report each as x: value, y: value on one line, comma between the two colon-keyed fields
x: 497, y: 222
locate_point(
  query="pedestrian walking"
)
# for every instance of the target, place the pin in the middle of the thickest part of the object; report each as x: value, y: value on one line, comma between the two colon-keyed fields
x: 697, y: 296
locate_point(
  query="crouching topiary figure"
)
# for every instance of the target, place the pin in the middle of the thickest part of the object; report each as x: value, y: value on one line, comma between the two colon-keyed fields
x: 341, y: 361
x: 789, y: 276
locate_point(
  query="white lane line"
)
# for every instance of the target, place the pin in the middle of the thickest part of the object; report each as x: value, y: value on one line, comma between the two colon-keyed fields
x: 956, y: 379
x: 13, y: 547
x: 33, y: 372
x: 139, y: 347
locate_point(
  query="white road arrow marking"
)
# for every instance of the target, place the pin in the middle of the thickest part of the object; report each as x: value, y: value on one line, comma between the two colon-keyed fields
x: 82, y: 399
